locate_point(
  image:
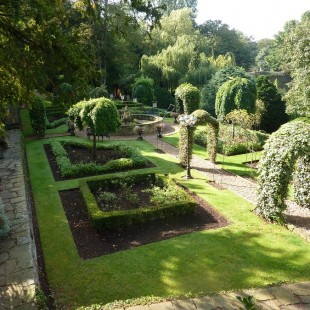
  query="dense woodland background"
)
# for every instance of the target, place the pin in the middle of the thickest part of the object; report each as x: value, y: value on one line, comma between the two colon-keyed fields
x: 69, y: 50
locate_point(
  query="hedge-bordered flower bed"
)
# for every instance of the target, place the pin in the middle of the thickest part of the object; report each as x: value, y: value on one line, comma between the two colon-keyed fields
x: 131, y: 159
x: 113, y: 220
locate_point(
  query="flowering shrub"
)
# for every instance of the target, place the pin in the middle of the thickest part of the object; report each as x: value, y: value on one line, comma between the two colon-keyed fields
x: 287, y: 150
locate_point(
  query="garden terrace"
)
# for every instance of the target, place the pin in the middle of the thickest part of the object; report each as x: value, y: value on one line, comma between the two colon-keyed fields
x: 194, y: 262
x: 73, y: 158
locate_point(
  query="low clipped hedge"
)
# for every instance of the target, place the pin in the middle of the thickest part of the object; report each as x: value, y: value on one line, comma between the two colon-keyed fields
x: 115, y: 220
x: 131, y: 159
x: 56, y: 123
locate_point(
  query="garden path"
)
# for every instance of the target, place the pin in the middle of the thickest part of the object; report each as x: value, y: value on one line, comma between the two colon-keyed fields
x: 18, y: 276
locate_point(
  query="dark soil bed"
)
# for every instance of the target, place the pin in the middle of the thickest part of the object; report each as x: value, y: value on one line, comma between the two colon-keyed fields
x: 91, y: 243
x: 83, y: 155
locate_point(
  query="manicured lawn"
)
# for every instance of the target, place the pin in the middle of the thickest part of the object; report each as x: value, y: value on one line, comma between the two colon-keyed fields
x: 234, y: 164
x: 248, y: 253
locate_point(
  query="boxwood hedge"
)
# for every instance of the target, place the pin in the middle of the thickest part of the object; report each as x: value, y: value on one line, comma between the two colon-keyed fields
x: 114, y: 220
x: 131, y: 159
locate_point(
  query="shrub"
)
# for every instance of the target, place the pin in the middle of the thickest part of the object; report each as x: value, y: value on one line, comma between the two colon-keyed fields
x: 37, y: 117
x: 143, y: 90
x: 131, y: 159
x: 163, y: 97
x: 113, y: 220
x: 99, y: 92
x: 287, y: 150
x: 56, y: 123
x: 4, y: 222
x: 187, y: 98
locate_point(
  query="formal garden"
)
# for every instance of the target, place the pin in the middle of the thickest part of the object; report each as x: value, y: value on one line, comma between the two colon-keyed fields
x: 121, y: 220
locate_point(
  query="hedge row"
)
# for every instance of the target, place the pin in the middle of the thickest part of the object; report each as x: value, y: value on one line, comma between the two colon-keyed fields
x: 131, y: 159
x: 115, y: 220
x: 56, y: 123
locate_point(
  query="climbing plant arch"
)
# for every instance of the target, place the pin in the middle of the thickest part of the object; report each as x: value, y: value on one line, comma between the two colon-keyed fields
x: 202, y: 118
x: 286, y: 157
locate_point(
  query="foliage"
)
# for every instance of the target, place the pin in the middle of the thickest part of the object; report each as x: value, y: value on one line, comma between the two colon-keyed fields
x: 172, y: 5
x: 232, y: 141
x: 188, y: 98
x: 189, y: 273
x: 160, y: 206
x: 274, y: 108
x: 98, y: 92
x: 163, y: 97
x: 223, y: 40
x: 4, y: 221
x: 186, y: 136
x: 131, y: 158
x: 276, y: 167
x: 178, y: 53
x: 238, y: 93
x: 37, y: 117
x: 143, y: 90
x: 100, y: 115
x: 240, y: 117
x: 204, y: 118
x: 208, y: 93
x: 248, y: 302
x: 56, y: 123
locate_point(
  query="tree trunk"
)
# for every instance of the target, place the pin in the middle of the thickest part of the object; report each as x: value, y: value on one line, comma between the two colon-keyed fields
x: 105, y: 43
x: 94, y: 151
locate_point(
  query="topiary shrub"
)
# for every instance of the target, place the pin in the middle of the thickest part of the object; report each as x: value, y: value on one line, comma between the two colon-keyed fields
x: 163, y: 97
x: 286, y: 150
x: 187, y: 98
x: 4, y: 222
x: 238, y: 93
x: 37, y: 117
x: 143, y: 90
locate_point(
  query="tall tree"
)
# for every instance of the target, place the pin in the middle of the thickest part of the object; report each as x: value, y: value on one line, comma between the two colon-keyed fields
x: 172, y: 5
x: 222, y: 39
x: 274, y: 108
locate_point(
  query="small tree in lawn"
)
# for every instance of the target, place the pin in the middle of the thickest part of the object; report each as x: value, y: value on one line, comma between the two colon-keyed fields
x: 100, y: 115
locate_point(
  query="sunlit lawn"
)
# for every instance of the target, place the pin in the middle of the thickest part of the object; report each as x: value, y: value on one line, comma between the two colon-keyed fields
x: 247, y: 253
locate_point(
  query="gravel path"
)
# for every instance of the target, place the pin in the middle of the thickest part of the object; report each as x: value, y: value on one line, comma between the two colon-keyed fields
x: 298, y: 219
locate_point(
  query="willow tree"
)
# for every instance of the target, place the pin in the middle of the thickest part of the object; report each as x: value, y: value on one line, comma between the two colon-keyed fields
x: 236, y: 94
x: 100, y: 115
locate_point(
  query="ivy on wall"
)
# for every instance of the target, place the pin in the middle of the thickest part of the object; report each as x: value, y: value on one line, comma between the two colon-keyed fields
x: 286, y: 154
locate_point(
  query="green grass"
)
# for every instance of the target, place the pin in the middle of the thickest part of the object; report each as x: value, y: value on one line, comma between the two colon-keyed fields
x: 61, y: 129
x: 247, y: 253
x: 25, y: 121
x: 234, y: 164
x: 27, y: 129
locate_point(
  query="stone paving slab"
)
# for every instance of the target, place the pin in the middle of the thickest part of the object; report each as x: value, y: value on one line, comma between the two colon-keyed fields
x: 18, y: 276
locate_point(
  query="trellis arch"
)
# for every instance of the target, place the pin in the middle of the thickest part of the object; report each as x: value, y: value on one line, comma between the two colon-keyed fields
x: 286, y: 157
x: 203, y: 118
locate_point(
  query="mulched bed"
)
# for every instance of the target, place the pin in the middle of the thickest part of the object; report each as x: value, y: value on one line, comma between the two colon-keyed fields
x: 91, y: 243
x: 78, y: 155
